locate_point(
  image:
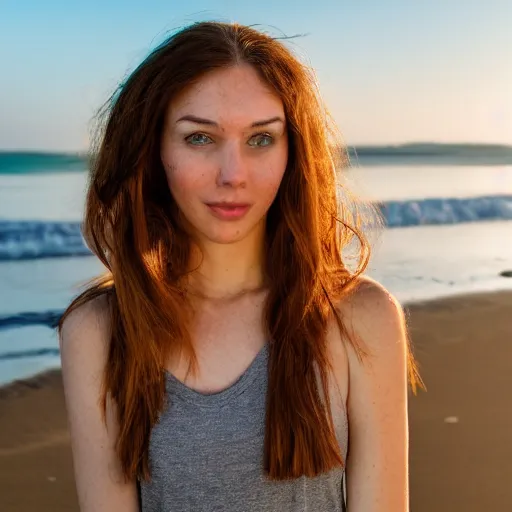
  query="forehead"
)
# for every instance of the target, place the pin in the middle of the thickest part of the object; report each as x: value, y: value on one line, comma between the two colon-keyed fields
x: 230, y: 96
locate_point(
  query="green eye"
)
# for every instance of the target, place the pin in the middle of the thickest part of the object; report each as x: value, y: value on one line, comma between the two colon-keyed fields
x: 263, y: 139
x: 198, y: 139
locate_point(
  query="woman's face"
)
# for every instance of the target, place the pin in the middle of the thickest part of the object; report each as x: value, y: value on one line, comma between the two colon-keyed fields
x: 224, y: 148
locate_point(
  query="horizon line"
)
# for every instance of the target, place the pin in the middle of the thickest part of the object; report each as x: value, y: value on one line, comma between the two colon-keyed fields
x: 85, y: 152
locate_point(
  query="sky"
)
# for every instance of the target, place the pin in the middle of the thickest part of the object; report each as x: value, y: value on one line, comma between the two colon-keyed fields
x: 390, y: 72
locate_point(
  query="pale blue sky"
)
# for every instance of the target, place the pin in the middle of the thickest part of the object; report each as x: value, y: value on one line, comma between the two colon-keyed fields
x: 390, y: 71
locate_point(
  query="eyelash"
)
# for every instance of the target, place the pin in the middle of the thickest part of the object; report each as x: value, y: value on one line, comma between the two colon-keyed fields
x: 187, y: 139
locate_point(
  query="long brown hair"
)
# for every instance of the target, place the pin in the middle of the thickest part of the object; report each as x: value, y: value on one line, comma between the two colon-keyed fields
x: 132, y: 225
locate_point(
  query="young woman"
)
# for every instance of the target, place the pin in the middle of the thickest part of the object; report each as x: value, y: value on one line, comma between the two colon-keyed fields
x: 230, y: 359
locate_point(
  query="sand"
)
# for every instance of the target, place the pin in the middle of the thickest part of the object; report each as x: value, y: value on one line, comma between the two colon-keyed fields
x: 460, y: 429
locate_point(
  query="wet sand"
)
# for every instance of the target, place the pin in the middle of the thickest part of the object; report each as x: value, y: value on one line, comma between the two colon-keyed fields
x: 460, y: 429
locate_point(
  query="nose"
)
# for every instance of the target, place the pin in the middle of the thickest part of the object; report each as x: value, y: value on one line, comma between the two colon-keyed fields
x: 233, y: 167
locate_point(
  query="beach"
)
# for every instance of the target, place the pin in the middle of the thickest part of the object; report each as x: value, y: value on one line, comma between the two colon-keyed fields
x: 421, y: 170
x: 460, y: 450
x: 448, y: 234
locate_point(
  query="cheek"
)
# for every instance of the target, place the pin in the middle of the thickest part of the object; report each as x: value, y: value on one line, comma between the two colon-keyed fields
x: 184, y: 175
x: 268, y: 183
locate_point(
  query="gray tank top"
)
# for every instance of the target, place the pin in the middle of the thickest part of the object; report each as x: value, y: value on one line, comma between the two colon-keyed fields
x: 206, y: 454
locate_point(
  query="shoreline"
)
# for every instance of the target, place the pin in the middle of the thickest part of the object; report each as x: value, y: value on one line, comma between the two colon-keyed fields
x: 460, y: 454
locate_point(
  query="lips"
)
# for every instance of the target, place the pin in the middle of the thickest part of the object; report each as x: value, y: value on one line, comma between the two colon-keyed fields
x: 228, y: 211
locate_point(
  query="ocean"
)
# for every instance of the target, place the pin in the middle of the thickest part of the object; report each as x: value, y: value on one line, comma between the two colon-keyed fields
x: 448, y: 213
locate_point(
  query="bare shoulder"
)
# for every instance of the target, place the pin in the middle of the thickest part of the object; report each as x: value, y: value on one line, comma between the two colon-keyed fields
x: 373, y: 315
x: 84, y: 339
x: 369, y: 297
x: 90, y: 318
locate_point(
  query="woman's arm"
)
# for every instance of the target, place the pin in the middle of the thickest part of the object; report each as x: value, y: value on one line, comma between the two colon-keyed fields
x: 377, y: 464
x: 84, y: 342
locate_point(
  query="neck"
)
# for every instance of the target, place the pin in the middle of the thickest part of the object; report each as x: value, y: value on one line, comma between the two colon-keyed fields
x: 227, y: 271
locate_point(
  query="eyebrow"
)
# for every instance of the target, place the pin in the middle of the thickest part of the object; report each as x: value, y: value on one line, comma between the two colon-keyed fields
x: 209, y: 122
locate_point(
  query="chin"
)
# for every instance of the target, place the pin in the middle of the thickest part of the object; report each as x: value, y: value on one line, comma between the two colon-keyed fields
x: 230, y: 232
x: 230, y: 236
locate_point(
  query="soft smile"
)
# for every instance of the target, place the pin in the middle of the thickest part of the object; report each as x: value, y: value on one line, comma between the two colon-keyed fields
x: 228, y: 211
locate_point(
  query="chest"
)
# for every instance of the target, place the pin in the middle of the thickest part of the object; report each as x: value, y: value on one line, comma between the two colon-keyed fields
x: 226, y: 339
x: 206, y: 453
